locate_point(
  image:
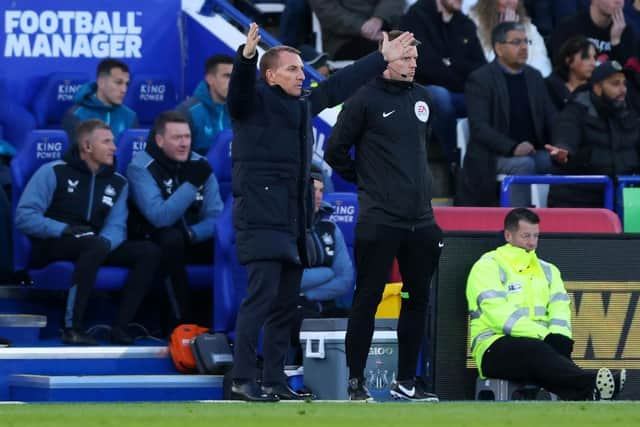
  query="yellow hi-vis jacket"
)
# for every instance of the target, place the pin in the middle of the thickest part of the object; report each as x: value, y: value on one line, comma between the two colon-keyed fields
x: 512, y: 292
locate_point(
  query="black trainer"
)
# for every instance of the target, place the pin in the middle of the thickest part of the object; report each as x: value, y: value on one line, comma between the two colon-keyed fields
x: 73, y: 336
x: 608, y: 384
x: 358, y: 391
x: 411, y: 390
x: 284, y: 392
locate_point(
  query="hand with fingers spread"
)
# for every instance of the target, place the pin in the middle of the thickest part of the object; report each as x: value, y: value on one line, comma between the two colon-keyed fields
x: 618, y: 26
x: 253, y: 38
x: 509, y: 15
x: 559, y: 155
x: 396, y: 48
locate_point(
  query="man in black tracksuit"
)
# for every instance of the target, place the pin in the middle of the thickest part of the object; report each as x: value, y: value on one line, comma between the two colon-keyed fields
x: 272, y: 194
x: 76, y: 210
x: 389, y: 123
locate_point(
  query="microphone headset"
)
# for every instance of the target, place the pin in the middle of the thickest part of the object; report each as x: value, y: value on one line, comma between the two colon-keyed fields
x: 404, y: 76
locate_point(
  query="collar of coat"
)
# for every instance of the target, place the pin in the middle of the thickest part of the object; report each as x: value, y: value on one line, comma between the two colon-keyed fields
x: 393, y: 86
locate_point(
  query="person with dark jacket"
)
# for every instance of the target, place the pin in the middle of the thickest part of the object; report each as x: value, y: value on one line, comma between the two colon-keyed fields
x: 510, y: 116
x: 102, y: 100
x: 176, y: 201
x: 601, y: 136
x: 388, y: 122
x: 272, y: 205
x: 76, y: 210
x: 572, y: 68
x: 207, y: 108
x: 604, y: 24
x: 449, y: 51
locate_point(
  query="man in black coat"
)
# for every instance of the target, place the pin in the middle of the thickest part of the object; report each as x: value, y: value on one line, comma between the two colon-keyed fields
x: 273, y: 197
x: 449, y: 51
x: 599, y: 135
x: 510, y: 117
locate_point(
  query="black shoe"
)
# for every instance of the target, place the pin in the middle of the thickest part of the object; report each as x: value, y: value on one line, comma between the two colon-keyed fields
x: 284, y: 392
x: 119, y: 336
x: 250, y: 392
x: 411, y: 390
x: 73, y: 336
x: 358, y: 391
x: 5, y: 342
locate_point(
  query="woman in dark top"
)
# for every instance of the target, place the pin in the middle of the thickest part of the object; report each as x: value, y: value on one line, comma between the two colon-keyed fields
x: 572, y: 68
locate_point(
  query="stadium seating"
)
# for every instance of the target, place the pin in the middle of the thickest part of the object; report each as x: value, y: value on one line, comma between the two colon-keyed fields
x: 15, y: 121
x: 219, y: 157
x: 150, y: 94
x: 54, y: 97
x: 43, y: 146
x: 130, y: 142
x: 345, y: 214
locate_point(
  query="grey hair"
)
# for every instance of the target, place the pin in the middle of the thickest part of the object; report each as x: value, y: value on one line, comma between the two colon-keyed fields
x: 499, y: 32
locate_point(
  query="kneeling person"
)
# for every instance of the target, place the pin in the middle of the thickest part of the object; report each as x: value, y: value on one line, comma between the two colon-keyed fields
x: 75, y: 210
x: 176, y: 201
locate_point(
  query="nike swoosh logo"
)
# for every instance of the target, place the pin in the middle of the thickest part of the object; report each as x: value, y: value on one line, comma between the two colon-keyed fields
x: 440, y: 244
x: 385, y: 115
x: 409, y: 392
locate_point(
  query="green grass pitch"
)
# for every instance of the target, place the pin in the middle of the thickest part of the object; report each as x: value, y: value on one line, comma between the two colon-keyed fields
x: 471, y: 414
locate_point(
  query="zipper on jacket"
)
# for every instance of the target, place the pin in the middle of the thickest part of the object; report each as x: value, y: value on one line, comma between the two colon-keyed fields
x: 91, y: 188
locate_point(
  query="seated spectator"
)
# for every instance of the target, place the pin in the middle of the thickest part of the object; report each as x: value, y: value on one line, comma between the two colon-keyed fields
x: 604, y: 24
x: 632, y: 17
x: 350, y: 30
x: 572, y: 69
x: 207, y: 108
x: 331, y: 272
x: 448, y: 53
x: 520, y: 319
x: 295, y: 23
x: 564, y: 8
x: 510, y: 118
x: 596, y: 134
x: 102, y: 100
x: 75, y: 210
x: 488, y: 13
x: 176, y: 201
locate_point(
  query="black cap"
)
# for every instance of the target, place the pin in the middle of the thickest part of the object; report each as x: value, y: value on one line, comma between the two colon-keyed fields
x: 316, y: 173
x: 313, y: 57
x: 605, y: 70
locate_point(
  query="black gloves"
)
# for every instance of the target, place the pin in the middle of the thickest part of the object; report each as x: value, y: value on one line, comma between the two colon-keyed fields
x: 78, y: 231
x: 560, y: 343
x: 196, y: 172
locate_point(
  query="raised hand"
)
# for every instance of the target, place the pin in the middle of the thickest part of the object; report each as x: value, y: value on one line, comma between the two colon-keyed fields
x: 618, y: 26
x: 371, y: 28
x: 253, y: 38
x: 396, y: 48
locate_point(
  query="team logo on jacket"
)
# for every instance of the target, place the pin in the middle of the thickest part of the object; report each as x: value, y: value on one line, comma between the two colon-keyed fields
x: 168, y: 185
x: 514, y: 287
x: 110, y: 191
x: 72, y: 185
x: 327, y: 239
x: 422, y: 111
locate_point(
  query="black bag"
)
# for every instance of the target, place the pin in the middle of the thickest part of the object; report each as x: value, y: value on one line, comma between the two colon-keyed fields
x: 212, y: 353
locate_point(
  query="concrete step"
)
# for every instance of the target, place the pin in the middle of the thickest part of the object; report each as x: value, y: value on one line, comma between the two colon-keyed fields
x: 112, y: 388
x: 21, y: 328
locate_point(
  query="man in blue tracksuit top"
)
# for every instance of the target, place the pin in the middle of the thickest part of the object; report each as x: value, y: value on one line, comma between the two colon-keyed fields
x: 207, y: 108
x: 176, y: 201
x: 272, y: 189
x: 102, y: 100
x: 76, y: 210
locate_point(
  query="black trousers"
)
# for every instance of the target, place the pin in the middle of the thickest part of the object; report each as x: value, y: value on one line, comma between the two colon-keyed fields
x: 532, y: 361
x: 270, y: 302
x: 88, y: 254
x: 418, y: 253
x: 176, y: 254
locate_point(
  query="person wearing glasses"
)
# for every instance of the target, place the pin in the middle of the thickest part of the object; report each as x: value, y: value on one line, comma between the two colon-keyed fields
x: 510, y: 117
x: 486, y: 14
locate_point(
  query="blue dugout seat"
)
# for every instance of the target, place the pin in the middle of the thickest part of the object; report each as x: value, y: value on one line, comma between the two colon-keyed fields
x: 54, y: 97
x: 150, y: 94
x: 130, y: 142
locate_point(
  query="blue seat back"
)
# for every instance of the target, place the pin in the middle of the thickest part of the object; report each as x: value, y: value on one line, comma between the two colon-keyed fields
x: 41, y: 146
x: 230, y: 278
x: 54, y: 97
x: 219, y: 157
x: 130, y: 142
x: 150, y: 94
